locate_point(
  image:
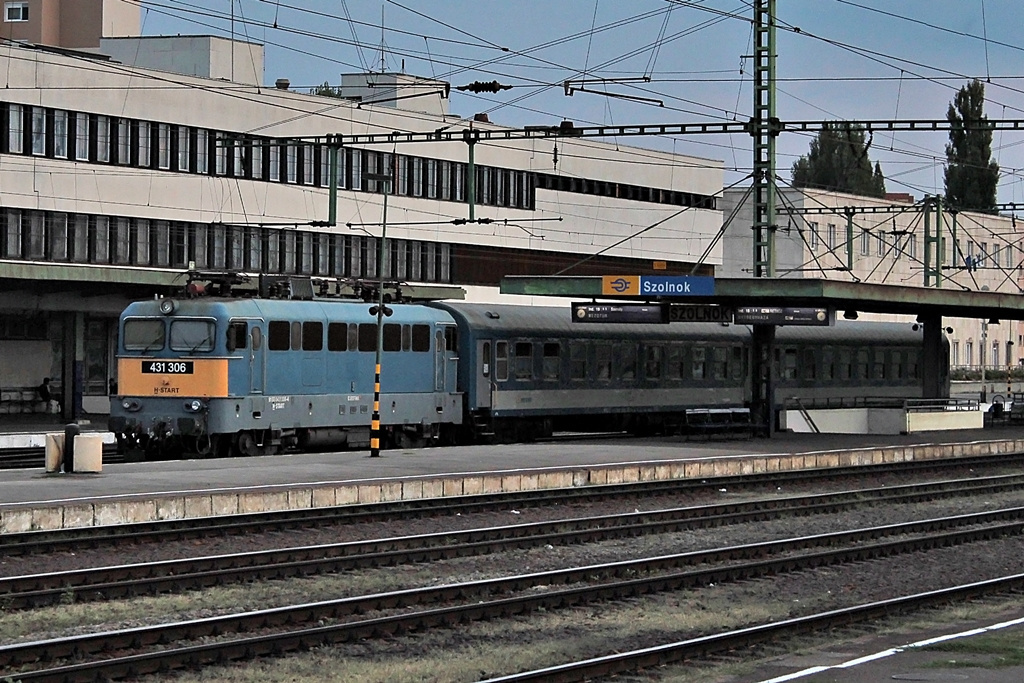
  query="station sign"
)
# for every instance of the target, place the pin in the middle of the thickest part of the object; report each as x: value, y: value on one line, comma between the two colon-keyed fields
x: 776, y: 315
x: 699, y: 313
x: 619, y: 313
x: 657, y: 285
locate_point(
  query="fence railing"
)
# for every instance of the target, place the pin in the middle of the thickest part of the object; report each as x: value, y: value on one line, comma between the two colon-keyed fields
x: 914, y: 405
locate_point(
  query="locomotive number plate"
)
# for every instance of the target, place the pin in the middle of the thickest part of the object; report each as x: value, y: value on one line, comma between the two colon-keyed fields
x: 167, y: 367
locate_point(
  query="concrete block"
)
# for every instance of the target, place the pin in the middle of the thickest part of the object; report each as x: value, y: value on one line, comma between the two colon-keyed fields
x: 369, y: 493
x: 453, y: 487
x: 581, y: 478
x: 78, y: 516
x: 16, y: 521
x: 613, y: 476
x: 490, y: 485
x: 511, y: 483
x: 323, y: 497
x: 647, y: 473
x: 598, y: 477
x: 346, y: 495
x: 432, y: 488
x: 471, y: 486
x: 89, y: 453
x: 391, y: 490
x: 224, y: 503
x: 529, y: 482
x: 300, y: 499
x: 170, y: 508
x: 198, y: 506
x: 108, y: 514
x: 137, y: 511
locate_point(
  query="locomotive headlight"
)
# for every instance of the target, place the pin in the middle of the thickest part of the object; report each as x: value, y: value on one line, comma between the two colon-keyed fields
x: 167, y: 306
x: 194, y: 406
x: 131, y: 405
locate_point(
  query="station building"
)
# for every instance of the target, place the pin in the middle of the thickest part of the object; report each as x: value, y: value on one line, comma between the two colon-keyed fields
x: 837, y: 236
x: 127, y: 161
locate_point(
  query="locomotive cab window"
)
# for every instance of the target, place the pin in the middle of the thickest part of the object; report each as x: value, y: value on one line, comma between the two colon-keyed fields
x: 144, y: 334
x: 313, y: 336
x: 192, y: 335
x: 337, y: 336
x: 420, y: 338
x: 279, y: 335
x: 392, y: 337
x: 238, y: 333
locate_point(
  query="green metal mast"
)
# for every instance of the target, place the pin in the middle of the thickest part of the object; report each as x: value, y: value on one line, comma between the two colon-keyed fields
x: 764, y: 127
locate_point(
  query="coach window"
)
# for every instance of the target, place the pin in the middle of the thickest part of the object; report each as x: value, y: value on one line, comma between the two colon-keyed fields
x: 337, y: 336
x: 828, y: 364
x: 551, y: 361
x: 878, y: 367
x: 627, y: 362
x: 392, y: 337
x: 896, y: 365
x: 523, y: 360
x: 674, y: 363
x: 406, y: 337
x: 279, y: 335
x: 652, y: 362
x: 845, y: 365
x: 296, y: 336
x: 808, y: 365
x: 238, y: 332
x: 257, y: 338
x: 143, y: 334
x: 577, y: 360
x: 862, y: 364
x: 192, y: 335
x: 912, y: 365
x: 451, y: 339
x: 313, y: 336
x: 501, y: 361
x: 603, y: 361
x: 697, y: 370
x: 738, y: 368
x: 353, y: 337
x: 421, y: 338
x: 720, y: 362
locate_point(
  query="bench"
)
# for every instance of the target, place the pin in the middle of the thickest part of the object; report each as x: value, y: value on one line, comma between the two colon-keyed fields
x: 24, y: 400
x: 731, y: 422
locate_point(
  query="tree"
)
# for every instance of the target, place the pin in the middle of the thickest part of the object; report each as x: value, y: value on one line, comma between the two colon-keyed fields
x: 838, y: 160
x: 326, y: 90
x: 971, y: 175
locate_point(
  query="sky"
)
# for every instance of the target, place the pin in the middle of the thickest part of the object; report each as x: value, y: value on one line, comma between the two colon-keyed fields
x: 662, y: 61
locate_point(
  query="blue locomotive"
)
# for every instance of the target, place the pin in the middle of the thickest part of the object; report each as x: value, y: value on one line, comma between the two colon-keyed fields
x: 228, y: 375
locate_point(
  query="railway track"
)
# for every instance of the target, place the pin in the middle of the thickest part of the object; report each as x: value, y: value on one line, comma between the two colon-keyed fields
x: 130, y: 653
x: 195, y: 528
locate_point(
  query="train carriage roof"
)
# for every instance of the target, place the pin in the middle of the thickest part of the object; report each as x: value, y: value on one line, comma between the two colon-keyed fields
x: 548, y: 321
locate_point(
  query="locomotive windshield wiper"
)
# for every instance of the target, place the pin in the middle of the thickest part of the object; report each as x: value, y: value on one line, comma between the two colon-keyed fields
x: 157, y: 343
x: 202, y: 342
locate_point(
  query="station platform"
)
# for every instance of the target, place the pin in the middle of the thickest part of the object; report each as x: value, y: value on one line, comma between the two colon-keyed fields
x: 138, y: 492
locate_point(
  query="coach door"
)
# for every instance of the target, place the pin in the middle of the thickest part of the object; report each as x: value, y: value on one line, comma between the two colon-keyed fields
x: 256, y: 355
x: 484, y: 368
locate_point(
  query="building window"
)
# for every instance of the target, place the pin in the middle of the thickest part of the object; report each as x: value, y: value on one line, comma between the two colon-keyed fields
x: 831, y: 236
x: 15, y: 11
x: 82, y: 136
x: 38, y: 131
x: 202, y: 151
x: 274, y: 162
x: 865, y: 243
x: 16, y: 129
x: 291, y: 155
x: 163, y: 146
x: 102, y: 138
x: 184, y: 149
x: 60, y: 134
x: 812, y: 238
x: 124, y: 141
x: 144, y: 144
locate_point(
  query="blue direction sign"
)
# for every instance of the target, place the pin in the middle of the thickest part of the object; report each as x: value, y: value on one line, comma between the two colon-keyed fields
x: 657, y: 285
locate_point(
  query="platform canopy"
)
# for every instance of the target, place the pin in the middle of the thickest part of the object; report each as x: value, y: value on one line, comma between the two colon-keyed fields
x: 797, y: 292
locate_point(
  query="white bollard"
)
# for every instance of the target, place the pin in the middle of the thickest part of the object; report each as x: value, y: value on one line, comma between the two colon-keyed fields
x: 89, y: 453
x: 54, y: 452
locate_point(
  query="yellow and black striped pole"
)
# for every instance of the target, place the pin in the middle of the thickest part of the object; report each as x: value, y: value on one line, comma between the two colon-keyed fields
x: 375, y: 420
x: 379, y: 310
